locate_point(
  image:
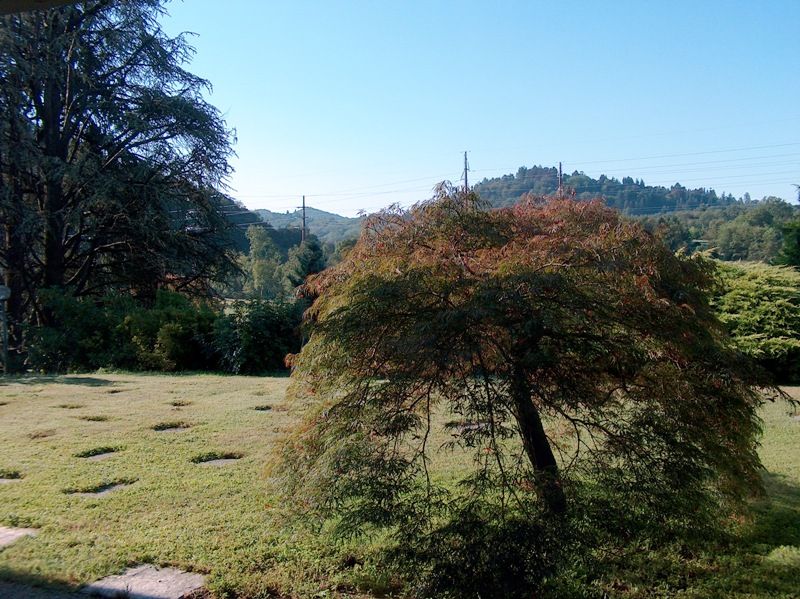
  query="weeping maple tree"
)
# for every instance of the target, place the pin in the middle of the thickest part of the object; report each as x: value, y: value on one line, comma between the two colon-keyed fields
x: 562, y: 345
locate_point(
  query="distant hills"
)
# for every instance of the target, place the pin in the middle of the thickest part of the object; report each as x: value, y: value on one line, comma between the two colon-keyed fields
x: 631, y: 196
x: 327, y: 226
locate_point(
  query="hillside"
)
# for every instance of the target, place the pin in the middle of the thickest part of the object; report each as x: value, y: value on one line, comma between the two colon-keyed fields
x: 328, y: 227
x: 630, y: 196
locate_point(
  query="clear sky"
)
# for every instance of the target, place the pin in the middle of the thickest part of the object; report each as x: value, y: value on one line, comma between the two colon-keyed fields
x: 361, y: 104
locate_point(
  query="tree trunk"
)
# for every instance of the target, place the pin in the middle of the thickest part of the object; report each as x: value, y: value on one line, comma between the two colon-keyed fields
x: 537, y: 447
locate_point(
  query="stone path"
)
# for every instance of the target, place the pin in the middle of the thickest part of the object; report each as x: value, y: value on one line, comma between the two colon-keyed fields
x: 9, y: 535
x: 147, y: 582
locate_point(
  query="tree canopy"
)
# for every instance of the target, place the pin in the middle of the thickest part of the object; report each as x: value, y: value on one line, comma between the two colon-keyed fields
x: 111, y: 159
x: 564, y: 345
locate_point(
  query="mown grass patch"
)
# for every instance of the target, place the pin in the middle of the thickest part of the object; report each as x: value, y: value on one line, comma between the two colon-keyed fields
x: 224, y: 521
x: 212, y: 520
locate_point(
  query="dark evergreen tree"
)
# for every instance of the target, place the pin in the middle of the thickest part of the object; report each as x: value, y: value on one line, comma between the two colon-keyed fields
x: 110, y: 157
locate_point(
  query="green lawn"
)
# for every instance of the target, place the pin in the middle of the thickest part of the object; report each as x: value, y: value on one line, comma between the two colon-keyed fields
x: 193, y: 516
x: 218, y: 520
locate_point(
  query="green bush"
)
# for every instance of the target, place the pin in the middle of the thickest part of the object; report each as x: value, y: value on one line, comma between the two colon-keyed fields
x: 256, y: 336
x: 173, y: 334
x: 760, y: 306
x: 84, y: 338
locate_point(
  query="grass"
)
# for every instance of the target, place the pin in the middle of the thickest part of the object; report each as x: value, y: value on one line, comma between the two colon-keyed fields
x: 211, y: 520
x: 220, y: 521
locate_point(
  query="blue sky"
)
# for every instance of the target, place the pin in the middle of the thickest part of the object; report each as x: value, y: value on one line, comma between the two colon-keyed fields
x: 361, y: 104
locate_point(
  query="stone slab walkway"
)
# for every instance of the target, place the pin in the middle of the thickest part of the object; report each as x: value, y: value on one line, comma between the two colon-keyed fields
x: 9, y: 535
x: 147, y: 582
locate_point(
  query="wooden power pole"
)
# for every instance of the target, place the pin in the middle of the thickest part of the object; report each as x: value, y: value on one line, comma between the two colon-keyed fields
x: 303, y: 232
x: 560, y: 181
x: 466, y: 170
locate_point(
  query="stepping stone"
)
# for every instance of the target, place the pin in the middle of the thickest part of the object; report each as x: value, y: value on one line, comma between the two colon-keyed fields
x: 219, y: 462
x: 147, y: 582
x: 171, y: 427
x: 99, y: 457
x: 9, y: 535
x: 8, y: 481
x: 102, y: 491
x: 217, y: 458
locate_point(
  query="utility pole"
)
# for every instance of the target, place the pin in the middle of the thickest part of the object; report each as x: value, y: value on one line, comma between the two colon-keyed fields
x: 303, y: 232
x: 466, y: 170
x: 560, y: 180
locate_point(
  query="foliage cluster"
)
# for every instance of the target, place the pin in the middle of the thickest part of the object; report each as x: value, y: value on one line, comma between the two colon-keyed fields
x: 574, y: 357
x: 752, y: 231
x: 272, y: 272
x: 760, y: 306
x: 175, y: 333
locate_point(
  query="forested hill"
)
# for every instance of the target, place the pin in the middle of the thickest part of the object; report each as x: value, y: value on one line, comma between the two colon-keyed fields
x: 629, y: 195
x: 328, y: 227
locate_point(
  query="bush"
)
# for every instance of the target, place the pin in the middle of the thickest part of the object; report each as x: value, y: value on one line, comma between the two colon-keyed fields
x: 256, y: 336
x: 85, y: 337
x: 760, y: 306
x: 173, y: 334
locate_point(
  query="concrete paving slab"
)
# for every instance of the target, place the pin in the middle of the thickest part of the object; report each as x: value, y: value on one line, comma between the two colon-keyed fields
x: 103, y: 491
x: 220, y: 462
x: 147, y: 582
x: 99, y: 457
x: 9, y: 535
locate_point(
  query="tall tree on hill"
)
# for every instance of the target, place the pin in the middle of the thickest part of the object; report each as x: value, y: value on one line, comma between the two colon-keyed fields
x: 109, y: 156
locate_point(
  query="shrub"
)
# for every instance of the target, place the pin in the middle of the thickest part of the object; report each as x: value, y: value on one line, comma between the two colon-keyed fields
x: 760, y: 306
x: 256, y: 336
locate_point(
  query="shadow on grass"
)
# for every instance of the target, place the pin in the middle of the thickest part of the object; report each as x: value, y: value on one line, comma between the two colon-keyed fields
x: 777, y: 518
x: 31, y: 586
x: 85, y: 381
x: 766, y: 560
